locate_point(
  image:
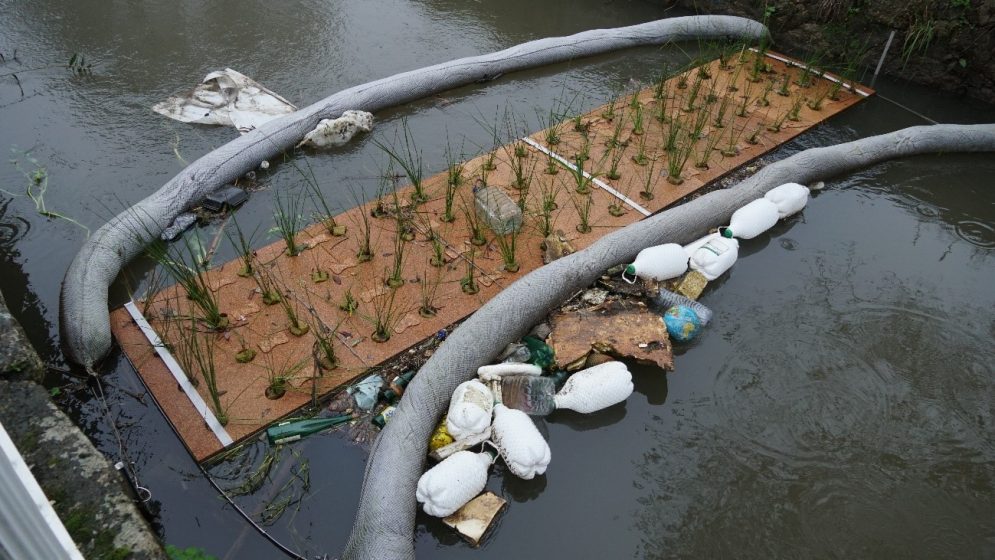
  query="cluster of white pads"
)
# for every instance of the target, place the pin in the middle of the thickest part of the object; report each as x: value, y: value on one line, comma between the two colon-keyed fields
x: 715, y: 253
x: 476, y: 408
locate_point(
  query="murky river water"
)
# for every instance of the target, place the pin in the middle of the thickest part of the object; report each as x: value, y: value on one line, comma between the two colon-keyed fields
x: 841, y: 405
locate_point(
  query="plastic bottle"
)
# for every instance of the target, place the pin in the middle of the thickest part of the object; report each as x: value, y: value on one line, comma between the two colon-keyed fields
x: 497, y: 371
x: 596, y: 388
x: 470, y: 409
x: 665, y: 299
x: 531, y: 394
x: 393, y: 392
x: 542, y: 354
x: 519, y: 442
x: 659, y: 263
x: 790, y: 198
x: 497, y: 210
x: 751, y: 220
x: 712, y: 255
x: 380, y: 420
x: 448, y: 486
x: 286, y: 432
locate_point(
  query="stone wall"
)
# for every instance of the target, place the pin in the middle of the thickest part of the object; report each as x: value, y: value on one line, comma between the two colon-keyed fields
x: 961, y: 36
x: 87, y: 493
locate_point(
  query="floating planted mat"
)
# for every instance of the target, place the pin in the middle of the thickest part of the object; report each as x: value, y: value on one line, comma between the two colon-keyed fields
x: 635, y: 157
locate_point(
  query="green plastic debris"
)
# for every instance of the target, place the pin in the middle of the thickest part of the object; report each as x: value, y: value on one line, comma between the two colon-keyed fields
x: 286, y: 432
x: 541, y: 354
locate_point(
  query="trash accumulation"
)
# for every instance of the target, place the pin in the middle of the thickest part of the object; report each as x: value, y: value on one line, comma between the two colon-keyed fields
x: 575, y: 367
x: 226, y: 98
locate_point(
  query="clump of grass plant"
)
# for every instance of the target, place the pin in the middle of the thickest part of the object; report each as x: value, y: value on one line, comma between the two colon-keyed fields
x: 349, y: 303
x: 476, y: 229
x: 243, y: 245
x: 779, y: 121
x: 409, y: 158
x: 454, y: 180
x: 325, y: 215
x: 702, y: 157
x: 193, y: 279
x: 720, y: 113
x: 385, y: 314
x: 764, y: 100
x: 614, y: 160
x: 295, y: 325
x: 815, y: 103
x: 753, y: 138
x: 640, y: 157
x: 649, y: 185
x: 546, y: 205
x: 385, y: 184
x: 288, y: 221
x: 609, y: 111
x: 197, y: 353
x: 244, y: 354
x: 396, y: 279
x: 583, y: 204
x: 796, y: 107
x: 279, y: 375
x: 582, y: 179
x: 732, y: 149
x: 692, y: 97
x: 784, y: 90
x: 429, y: 289
x: 508, y: 245
x: 267, y: 286
x: 364, y: 249
x: 469, y: 282
x: 678, y: 157
x: 637, y: 120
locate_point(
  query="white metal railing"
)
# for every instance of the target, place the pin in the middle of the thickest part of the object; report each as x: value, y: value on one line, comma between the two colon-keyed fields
x: 29, y: 527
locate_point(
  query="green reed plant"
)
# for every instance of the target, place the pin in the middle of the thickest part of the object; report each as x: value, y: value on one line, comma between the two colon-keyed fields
x: 385, y: 313
x: 409, y: 158
x: 476, y: 229
x: 454, y: 180
x: 469, y: 282
x: 196, y: 353
x: 702, y: 157
x: 349, y: 303
x: 583, y: 204
x: 288, y: 219
x: 192, y: 278
x: 243, y: 246
x: 429, y: 287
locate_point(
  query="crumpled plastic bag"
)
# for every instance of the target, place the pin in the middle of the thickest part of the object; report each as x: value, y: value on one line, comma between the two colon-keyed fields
x: 337, y: 132
x: 226, y: 98
x: 365, y: 392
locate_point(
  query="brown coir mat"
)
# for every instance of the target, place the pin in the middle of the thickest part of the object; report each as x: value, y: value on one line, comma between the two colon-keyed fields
x: 721, y: 116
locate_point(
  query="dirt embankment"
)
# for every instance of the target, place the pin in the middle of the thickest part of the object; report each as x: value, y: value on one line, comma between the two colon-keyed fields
x: 946, y: 44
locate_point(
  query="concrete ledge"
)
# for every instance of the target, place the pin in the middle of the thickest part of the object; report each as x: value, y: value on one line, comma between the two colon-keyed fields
x: 87, y: 493
x: 18, y: 360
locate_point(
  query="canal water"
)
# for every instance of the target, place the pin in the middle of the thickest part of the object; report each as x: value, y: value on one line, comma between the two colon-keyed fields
x: 841, y: 404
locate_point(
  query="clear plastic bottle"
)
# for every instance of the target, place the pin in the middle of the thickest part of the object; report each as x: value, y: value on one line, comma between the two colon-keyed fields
x: 497, y: 209
x: 665, y: 299
x: 531, y: 394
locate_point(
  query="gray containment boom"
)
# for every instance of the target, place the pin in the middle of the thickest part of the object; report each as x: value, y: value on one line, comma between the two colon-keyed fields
x: 384, y: 525
x: 85, y: 322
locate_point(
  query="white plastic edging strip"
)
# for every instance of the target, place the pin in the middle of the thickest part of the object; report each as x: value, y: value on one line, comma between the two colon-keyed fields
x: 601, y: 184
x: 174, y: 367
x: 790, y: 62
x: 29, y: 527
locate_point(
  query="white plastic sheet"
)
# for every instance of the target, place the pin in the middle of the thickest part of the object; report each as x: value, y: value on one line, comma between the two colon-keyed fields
x: 226, y: 98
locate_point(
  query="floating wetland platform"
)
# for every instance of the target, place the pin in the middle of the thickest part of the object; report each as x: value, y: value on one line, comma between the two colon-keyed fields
x: 720, y: 108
